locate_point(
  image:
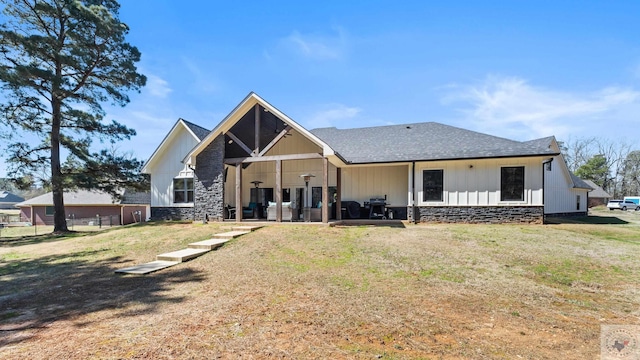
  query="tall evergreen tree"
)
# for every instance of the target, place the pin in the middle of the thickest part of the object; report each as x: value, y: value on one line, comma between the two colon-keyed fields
x: 60, y: 61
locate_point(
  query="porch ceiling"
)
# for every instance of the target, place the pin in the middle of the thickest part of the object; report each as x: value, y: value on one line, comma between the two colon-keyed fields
x: 245, y: 131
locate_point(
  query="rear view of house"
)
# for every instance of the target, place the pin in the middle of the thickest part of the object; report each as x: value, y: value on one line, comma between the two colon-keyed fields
x: 258, y: 163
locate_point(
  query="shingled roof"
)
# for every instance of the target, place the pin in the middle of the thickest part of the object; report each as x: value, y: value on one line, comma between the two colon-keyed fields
x: 424, y: 142
x: 87, y: 197
x: 7, y: 197
x: 198, y: 130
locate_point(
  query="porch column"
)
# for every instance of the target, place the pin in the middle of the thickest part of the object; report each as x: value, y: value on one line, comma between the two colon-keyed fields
x: 238, y: 192
x: 278, y: 190
x: 410, y: 194
x: 338, y: 203
x: 325, y: 190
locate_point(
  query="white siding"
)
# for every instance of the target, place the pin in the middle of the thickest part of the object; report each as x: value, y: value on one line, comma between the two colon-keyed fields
x: 477, y: 182
x: 169, y: 165
x: 560, y: 196
x: 363, y: 183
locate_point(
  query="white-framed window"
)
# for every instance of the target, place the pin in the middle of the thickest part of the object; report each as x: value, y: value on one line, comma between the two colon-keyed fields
x: 512, y: 183
x: 433, y: 185
x: 577, y: 202
x: 49, y: 210
x: 182, y: 190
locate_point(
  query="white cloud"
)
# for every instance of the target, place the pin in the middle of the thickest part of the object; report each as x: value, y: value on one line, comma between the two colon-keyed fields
x: 201, y: 81
x: 331, y: 115
x: 157, y: 86
x: 511, y: 107
x: 318, y: 47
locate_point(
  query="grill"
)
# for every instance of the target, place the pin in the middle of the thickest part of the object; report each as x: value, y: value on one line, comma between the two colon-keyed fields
x: 377, y: 208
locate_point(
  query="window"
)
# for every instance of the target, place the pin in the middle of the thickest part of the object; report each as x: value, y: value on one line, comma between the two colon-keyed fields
x: 512, y: 183
x: 577, y: 202
x: 316, y: 195
x: 49, y: 210
x: 432, y: 185
x: 183, y: 190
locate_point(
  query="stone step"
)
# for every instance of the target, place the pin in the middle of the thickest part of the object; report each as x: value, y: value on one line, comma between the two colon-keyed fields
x: 246, y: 227
x: 230, y: 234
x: 148, y: 267
x: 208, y: 244
x: 181, y: 255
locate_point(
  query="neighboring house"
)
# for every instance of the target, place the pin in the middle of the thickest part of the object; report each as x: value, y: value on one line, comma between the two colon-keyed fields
x: 85, y: 206
x: 9, y: 200
x: 598, y: 196
x: 422, y: 172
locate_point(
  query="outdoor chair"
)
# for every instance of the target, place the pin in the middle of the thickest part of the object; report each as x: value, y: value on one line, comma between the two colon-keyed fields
x: 231, y: 211
x: 248, y: 212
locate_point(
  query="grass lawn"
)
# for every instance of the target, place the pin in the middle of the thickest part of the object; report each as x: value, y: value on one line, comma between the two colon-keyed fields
x: 299, y: 291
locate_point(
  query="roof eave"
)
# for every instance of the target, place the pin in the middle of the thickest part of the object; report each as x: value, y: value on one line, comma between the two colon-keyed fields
x: 234, y: 116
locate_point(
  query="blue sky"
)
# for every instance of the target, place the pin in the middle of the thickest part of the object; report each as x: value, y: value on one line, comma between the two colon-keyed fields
x: 511, y: 69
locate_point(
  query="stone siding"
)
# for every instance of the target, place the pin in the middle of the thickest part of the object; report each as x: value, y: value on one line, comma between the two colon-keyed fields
x: 411, y: 213
x: 209, y: 182
x: 172, y: 213
x: 480, y: 214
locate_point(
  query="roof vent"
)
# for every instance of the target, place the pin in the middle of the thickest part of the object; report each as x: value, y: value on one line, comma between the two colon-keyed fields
x: 408, y: 127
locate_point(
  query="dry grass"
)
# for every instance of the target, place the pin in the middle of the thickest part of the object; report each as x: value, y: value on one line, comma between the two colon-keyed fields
x: 431, y: 292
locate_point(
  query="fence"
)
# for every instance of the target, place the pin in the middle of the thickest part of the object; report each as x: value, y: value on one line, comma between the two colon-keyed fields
x: 100, y: 221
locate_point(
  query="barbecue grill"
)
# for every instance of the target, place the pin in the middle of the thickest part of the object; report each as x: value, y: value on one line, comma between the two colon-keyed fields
x: 377, y: 208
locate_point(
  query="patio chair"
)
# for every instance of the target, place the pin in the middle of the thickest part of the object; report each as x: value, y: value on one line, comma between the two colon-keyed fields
x: 231, y: 211
x: 248, y: 212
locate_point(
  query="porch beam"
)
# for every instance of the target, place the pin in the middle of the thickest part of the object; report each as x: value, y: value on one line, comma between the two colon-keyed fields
x: 338, y: 194
x: 278, y: 190
x: 238, y: 192
x: 275, y: 140
x: 325, y: 190
x: 257, y: 131
x: 240, y: 143
x: 246, y: 160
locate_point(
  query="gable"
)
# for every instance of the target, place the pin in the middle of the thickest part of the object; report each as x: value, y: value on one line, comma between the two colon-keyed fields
x: 182, y: 137
x: 239, y: 129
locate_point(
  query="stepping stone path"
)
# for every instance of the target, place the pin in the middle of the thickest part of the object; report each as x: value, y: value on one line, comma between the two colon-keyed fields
x: 194, y: 250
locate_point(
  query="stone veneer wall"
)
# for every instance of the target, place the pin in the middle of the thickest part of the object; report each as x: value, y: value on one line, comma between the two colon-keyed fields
x: 480, y: 214
x: 209, y: 182
x: 172, y: 213
x: 411, y: 213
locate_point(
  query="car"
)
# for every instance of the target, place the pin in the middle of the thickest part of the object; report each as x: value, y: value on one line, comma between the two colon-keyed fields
x: 622, y: 205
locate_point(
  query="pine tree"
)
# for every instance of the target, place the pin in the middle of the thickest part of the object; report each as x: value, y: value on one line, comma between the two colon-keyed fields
x: 60, y: 61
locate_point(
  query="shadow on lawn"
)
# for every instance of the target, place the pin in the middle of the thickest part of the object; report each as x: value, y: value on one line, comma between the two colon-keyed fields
x: 34, y: 293
x: 591, y: 219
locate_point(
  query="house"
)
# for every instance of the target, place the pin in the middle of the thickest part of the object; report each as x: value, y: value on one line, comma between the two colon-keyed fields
x: 9, y: 200
x: 258, y: 157
x: 598, y: 196
x: 88, y: 207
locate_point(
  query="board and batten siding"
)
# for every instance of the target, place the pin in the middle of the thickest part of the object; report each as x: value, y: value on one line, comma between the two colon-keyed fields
x: 477, y: 182
x: 361, y: 183
x: 560, y: 197
x: 168, y: 166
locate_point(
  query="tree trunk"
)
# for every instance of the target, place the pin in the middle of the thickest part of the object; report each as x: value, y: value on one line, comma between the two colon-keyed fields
x: 59, y: 217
